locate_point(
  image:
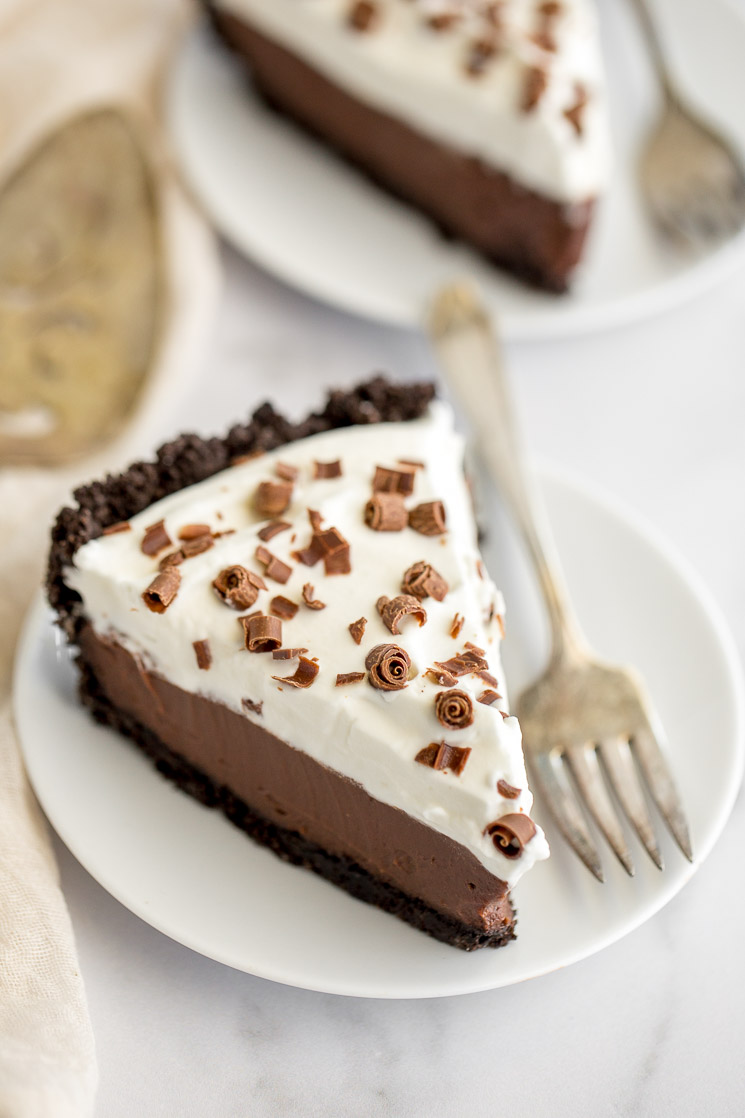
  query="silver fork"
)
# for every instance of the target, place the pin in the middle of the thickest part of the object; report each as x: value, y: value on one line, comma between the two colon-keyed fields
x: 583, y: 716
x: 692, y: 179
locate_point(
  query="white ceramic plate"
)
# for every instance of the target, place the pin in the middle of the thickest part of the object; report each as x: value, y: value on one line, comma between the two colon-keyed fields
x: 187, y: 871
x: 305, y: 216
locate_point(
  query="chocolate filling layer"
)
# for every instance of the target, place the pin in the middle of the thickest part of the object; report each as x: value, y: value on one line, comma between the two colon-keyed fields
x: 302, y: 810
x: 535, y: 237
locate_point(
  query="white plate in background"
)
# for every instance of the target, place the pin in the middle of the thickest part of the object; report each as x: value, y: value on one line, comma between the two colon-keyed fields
x: 188, y: 872
x: 304, y: 215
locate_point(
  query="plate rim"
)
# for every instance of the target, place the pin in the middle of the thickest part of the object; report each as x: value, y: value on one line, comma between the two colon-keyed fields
x: 35, y: 624
x: 551, y: 323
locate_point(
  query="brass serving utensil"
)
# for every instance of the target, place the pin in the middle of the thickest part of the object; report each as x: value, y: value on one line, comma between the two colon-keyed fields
x: 81, y: 289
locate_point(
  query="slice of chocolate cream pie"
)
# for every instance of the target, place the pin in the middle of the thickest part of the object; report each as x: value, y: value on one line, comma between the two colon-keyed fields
x: 295, y: 624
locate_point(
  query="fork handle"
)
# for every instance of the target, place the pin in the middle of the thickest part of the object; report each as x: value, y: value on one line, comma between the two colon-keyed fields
x: 467, y: 345
x: 655, y: 47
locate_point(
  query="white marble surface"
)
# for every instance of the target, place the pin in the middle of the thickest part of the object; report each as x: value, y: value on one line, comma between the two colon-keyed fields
x: 652, y: 1026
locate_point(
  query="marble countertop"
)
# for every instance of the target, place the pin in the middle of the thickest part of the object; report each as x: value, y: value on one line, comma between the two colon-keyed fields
x: 651, y: 1026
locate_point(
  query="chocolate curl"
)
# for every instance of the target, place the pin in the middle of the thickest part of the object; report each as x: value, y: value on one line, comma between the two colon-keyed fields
x: 394, y: 481
x: 335, y: 551
x: 423, y: 581
x: 349, y: 677
x: 272, y: 497
x: 454, y: 709
x: 192, y: 547
x: 363, y: 15
x: 194, y: 531
x: 385, y: 512
x: 155, y: 539
x: 283, y: 608
x: 465, y: 663
x: 488, y: 697
x: 172, y: 559
x: 274, y: 568
x: 510, y: 833
x: 536, y: 80
x: 286, y: 472
x: 287, y: 653
x: 456, y: 625
x: 393, y: 610
x: 388, y: 667
x: 237, y: 587
x: 261, y: 633
x: 507, y: 790
x: 305, y: 674
x: 428, y: 519
x: 441, y: 677
x: 326, y: 469
x: 162, y: 590
x: 272, y: 529
x: 203, y: 654
x: 440, y: 755
x: 357, y: 629
x: 310, y: 601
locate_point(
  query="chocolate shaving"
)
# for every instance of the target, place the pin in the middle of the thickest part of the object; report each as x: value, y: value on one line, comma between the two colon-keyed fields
x: 172, y: 559
x: 155, y: 539
x: 441, y: 677
x: 287, y: 653
x: 488, y: 697
x: 480, y: 53
x: 286, y: 472
x: 261, y: 633
x: 272, y: 497
x: 439, y: 755
x: 510, y: 833
x: 309, y: 555
x: 443, y: 21
x: 283, y: 608
x: 162, y: 590
x: 429, y: 518
x: 394, y: 481
x: 454, y: 709
x: 393, y: 610
x: 305, y: 674
x: 423, y: 581
x: 507, y: 790
x: 272, y: 529
x: 326, y: 469
x: 310, y: 601
x: 274, y: 568
x: 413, y: 462
x: 241, y: 459
x: 480, y: 569
x: 349, y: 677
x: 467, y: 662
x: 237, y: 587
x: 357, y: 629
x: 487, y: 677
x: 456, y: 625
x: 120, y: 526
x: 388, y: 667
x: 335, y: 551
x: 250, y: 705
x: 316, y: 520
x: 190, y: 548
x: 363, y: 15
x: 385, y: 512
x: 536, y: 80
x: 193, y: 531
x: 575, y: 113
x: 203, y: 654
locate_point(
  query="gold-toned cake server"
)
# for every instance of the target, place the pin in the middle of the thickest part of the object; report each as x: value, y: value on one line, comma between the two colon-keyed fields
x: 81, y: 289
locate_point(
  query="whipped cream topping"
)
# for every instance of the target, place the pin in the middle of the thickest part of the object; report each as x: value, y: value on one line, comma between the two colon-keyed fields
x: 403, y: 66
x: 369, y: 735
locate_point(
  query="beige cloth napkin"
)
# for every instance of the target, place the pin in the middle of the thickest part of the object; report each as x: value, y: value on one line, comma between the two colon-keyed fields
x: 59, y: 57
